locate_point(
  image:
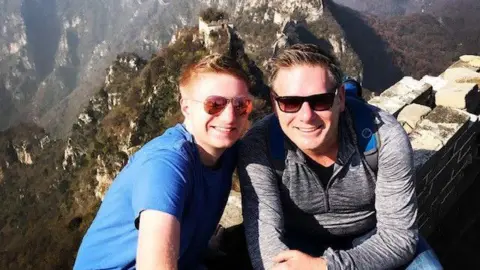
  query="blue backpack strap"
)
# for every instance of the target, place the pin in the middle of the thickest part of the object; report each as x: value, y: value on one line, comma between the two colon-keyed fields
x: 276, y: 145
x: 352, y: 88
x: 366, y: 130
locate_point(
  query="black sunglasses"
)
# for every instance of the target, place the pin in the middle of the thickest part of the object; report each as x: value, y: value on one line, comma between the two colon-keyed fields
x: 292, y: 104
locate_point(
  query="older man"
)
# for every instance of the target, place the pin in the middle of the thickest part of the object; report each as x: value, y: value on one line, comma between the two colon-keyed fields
x: 323, y: 203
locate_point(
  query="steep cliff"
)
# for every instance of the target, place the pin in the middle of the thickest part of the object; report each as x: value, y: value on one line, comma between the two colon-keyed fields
x: 51, y: 189
x: 50, y: 50
x: 52, y: 53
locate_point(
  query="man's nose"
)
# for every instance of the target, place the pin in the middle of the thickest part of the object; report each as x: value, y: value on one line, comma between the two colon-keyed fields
x: 306, y: 112
x: 228, y: 114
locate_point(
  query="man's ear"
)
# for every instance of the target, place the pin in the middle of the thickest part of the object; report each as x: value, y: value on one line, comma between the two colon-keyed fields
x: 341, y: 97
x: 185, y: 107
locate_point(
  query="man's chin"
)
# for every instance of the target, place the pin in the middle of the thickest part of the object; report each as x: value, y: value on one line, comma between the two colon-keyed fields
x: 224, y: 144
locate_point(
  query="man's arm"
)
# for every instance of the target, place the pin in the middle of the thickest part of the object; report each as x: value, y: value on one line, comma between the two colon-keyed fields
x: 158, y: 200
x: 261, y: 206
x: 158, y: 241
x: 395, y: 240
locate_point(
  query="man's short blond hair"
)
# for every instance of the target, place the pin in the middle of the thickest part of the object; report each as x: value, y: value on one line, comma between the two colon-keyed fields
x: 213, y: 63
x: 305, y: 54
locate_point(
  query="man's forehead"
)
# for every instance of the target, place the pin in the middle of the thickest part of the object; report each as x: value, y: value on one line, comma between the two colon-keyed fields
x: 307, y: 77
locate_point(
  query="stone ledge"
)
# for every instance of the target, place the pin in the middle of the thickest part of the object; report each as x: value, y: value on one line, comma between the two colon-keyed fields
x: 435, y: 82
x: 411, y: 115
x: 462, y: 96
x: 463, y: 64
x: 472, y: 60
x: 434, y: 132
x: 448, y: 123
x: 232, y: 214
x: 461, y: 75
x: 404, y: 92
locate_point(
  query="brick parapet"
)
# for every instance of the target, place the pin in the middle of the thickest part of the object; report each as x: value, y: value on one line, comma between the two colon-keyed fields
x: 440, y: 116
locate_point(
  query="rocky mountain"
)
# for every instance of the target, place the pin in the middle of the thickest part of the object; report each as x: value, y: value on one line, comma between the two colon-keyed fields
x: 385, y: 8
x: 409, y: 43
x: 105, y: 83
x: 51, y: 187
x: 53, y: 53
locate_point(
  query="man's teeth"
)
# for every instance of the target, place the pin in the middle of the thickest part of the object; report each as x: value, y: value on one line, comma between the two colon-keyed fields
x: 308, y: 129
x: 224, y: 129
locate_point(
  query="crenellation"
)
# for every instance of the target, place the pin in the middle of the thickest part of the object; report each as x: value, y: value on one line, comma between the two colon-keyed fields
x: 406, y: 91
x: 462, y: 96
x: 463, y: 64
x: 472, y: 60
x: 438, y: 114
x: 390, y: 105
x: 411, y: 115
x: 461, y: 75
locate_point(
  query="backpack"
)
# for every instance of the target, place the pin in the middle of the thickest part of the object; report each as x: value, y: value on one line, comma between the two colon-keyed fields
x: 364, y: 121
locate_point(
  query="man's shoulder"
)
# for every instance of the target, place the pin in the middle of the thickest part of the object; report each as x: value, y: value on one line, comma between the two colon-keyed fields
x: 173, y: 147
x: 393, y: 137
x: 259, y: 130
x: 256, y: 140
x: 388, y: 124
x: 175, y: 141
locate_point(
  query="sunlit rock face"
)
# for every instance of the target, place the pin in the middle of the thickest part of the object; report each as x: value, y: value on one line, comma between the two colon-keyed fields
x: 54, y: 51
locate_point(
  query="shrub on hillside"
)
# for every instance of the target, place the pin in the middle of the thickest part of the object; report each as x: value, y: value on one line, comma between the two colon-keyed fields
x: 212, y: 15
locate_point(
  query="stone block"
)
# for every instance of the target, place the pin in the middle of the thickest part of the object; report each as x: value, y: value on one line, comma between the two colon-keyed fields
x: 421, y: 197
x: 436, y: 132
x: 461, y: 75
x: 472, y: 60
x: 426, y: 227
x: 462, y: 64
x: 425, y: 144
x: 232, y: 215
x: 389, y: 104
x: 462, y: 96
x: 422, y: 181
x: 435, y: 82
x: 448, y: 123
x: 411, y: 115
x: 443, y: 176
x: 404, y: 92
x: 464, y: 145
x: 456, y: 186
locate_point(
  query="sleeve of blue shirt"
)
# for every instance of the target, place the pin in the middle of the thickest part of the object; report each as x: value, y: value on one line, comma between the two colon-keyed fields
x: 161, y: 184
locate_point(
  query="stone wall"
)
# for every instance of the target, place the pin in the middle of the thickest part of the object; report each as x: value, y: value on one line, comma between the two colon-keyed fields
x: 440, y: 114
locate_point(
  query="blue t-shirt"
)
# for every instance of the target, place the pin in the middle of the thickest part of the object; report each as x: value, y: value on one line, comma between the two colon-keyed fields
x: 165, y: 175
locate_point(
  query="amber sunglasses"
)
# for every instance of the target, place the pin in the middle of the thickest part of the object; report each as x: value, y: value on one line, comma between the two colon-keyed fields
x: 214, y: 105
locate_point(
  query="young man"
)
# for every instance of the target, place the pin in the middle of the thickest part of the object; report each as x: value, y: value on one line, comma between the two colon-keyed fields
x: 164, y: 206
x: 326, y: 206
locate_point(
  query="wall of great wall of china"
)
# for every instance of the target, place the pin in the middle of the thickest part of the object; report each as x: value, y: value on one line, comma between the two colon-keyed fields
x: 440, y: 114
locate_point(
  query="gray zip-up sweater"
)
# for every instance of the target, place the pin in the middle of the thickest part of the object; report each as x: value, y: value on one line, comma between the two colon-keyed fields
x: 296, y: 212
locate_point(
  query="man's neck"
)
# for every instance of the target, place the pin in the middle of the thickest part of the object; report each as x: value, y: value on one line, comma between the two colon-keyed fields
x: 208, y: 155
x: 324, y: 158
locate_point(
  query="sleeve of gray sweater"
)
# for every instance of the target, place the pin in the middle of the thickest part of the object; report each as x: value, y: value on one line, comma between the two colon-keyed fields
x: 261, y: 206
x: 394, y: 242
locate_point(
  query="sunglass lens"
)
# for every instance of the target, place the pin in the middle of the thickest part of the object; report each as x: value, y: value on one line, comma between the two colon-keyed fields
x: 242, y: 105
x: 322, y: 102
x: 290, y: 104
x: 215, y: 104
